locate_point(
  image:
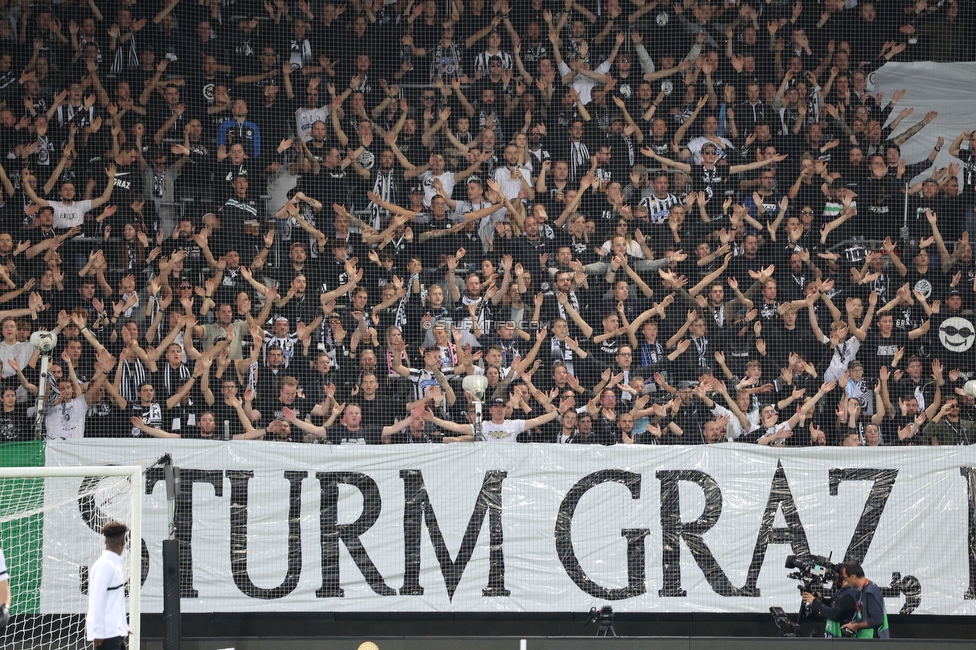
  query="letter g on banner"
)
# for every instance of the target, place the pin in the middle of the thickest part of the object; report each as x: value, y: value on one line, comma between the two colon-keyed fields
x: 635, y: 537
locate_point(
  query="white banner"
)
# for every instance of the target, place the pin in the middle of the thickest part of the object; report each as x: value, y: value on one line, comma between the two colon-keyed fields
x: 533, y: 528
x: 943, y: 87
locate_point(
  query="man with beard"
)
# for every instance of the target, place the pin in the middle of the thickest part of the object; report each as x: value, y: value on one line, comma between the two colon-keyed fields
x: 317, y: 146
x: 329, y: 182
x: 273, y: 408
x: 184, y: 239
x: 389, y: 185
x: 225, y: 327
x: 242, y: 218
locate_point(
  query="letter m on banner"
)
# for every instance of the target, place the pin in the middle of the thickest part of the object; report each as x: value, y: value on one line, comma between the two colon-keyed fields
x: 417, y: 507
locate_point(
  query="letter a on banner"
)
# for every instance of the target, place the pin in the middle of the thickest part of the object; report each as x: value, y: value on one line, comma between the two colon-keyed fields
x: 780, y: 496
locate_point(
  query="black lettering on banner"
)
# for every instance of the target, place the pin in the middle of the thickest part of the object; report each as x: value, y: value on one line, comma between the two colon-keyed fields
x: 183, y: 514
x: 857, y: 550
x: 332, y: 532
x: 969, y: 473
x: 239, y: 481
x: 909, y: 586
x: 95, y: 518
x: 780, y: 496
x: 673, y: 530
x: 884, y: 481
x: 636, y: 581
x: 417, y: 507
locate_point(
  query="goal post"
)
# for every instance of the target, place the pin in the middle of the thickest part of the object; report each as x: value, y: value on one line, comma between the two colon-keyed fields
x: 40, y: 510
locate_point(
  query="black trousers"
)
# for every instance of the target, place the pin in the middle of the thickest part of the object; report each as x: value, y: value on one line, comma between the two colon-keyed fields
x: 115, y: 643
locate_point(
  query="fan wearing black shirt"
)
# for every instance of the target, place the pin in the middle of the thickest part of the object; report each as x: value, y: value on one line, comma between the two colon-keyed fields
x: 410, y: 430
x: 15, y: 425
x: 224, y: 410
x: 349, y: 430
x: 127, y: 184
x: 328, y: 182
x: 271, y: 409
x: 879, y: 347
x: 242, y: 217
x: 709, y: 177
x: 373, y: 405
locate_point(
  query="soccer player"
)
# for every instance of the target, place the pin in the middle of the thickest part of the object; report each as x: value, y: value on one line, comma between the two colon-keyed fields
x: 4, y: 592
x: 106, y: 625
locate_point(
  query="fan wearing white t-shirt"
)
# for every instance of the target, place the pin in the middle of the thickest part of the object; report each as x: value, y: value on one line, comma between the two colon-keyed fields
x: 67, y: 412
x: 513, y: 177
x: 434, y: 169
x: 497, y: 428
x: 69, y: 213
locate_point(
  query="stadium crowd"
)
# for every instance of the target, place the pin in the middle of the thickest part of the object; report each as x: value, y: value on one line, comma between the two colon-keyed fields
x: 643, y: 221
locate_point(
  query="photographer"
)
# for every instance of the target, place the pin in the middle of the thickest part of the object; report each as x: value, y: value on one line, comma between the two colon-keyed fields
x: 870, y: 621
x: 841, y: 607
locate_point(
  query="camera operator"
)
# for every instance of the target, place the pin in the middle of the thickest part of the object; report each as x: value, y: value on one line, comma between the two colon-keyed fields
x: 841, y: 607
x: 870, y: 620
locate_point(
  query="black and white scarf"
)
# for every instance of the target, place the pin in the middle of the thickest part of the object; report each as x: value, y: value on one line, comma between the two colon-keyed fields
x: 126, y: 56
x: 400, y: 320
x: 573, y: 300
x: 301, y: 54
x: 133, y: 376
x: 385, y: 187
x: 579, y: 157
x: 173, y: 380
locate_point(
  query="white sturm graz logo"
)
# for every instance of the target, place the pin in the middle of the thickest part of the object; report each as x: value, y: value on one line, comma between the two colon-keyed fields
x: 956, y: 334
x: 924, y: 287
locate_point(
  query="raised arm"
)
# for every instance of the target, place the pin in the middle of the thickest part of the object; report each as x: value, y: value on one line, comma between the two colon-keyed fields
x: 680, y: 166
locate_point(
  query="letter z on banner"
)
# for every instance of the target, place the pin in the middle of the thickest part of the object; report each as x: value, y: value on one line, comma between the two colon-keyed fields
x: 534, y: 528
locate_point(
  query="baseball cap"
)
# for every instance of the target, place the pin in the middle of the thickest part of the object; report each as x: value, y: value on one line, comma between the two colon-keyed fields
x: 498, y: 401
x: 415, y: 189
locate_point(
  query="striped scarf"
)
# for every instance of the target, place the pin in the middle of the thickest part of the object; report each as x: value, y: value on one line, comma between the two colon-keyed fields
x: 126, y: 56
x: 171, y: 376
x: 133, y: 376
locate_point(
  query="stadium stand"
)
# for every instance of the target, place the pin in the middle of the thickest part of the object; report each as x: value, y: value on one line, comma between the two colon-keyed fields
x: 645, y: 222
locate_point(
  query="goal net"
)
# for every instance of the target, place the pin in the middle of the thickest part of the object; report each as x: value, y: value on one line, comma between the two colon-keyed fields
x: 50, y: 532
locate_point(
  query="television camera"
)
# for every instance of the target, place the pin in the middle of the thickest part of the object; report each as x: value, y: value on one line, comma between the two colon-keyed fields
x: 813, y: 571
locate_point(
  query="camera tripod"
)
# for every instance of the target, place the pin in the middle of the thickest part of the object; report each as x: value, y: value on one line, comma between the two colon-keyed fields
x: 604, y: 617
x: 786, y: 626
